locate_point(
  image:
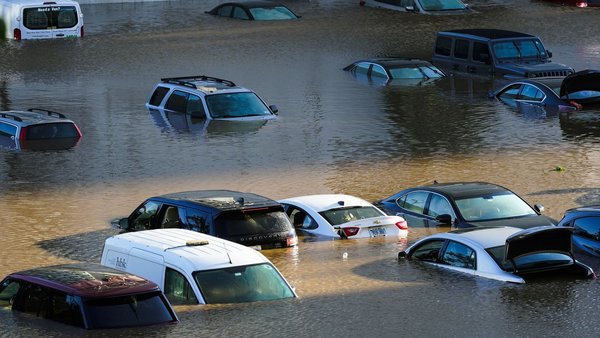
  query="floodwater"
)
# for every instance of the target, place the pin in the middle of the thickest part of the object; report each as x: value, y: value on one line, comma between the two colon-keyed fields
x: 334, y: 134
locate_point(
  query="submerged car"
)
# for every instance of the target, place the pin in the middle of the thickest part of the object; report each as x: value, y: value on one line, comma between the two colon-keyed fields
x: 241, y: 217
x: 389, y: 69
x: 420, y: 6
x: 89, y: 296
x: 463, y: 205
x: 502, y: 253
x: 341, y: 216
x: 254, y: 10
x: 577, y: 3
x: 585, y: 222
x: 569, y: 93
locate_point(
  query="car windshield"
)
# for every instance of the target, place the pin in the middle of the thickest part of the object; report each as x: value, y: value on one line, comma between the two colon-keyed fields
x: 134, y: 310
x: 490, y: 207
x: 415, y: 72
x: 348, y: 214
x: 272, y: 13
x: 442, y: 5
x: 238, y: 223
x: 519, y: 49
x: 234, y: 105
x: 530, y: 261
x: 242, y: 284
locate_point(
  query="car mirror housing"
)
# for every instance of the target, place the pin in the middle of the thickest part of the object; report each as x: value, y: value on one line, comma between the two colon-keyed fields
x: 549, y: 53
x: 539, y: 208
x: 401, y: 254
x: 410, y: 8
x: 123, y: 224
x: 444, y: 218
x: 274, y: 109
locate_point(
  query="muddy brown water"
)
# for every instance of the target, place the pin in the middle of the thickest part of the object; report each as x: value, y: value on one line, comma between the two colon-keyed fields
x: 334, y: 134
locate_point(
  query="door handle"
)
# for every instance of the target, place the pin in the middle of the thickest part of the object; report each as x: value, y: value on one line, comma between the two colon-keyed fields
x: 60, y: 34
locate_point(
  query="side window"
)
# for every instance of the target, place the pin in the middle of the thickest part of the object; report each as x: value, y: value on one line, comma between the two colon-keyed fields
x: 64, y: 308
x: 158, y: 96
x: 459, y: 255
x: 587, y: 227
x: 438, y: 205
x: 300, y: 219
x: 8, y: 292
x: 32, y: 299
x: 443, y: 45
x: 171, y: 216
x: 144, y: 217
x: 415, y: 201
x: 195, y: 107
x: 481, y: 52
x: 177, y: 288
x: 225, y: 11
x: 378, y: 71
x: 177, y: 101
x: 530, y: 93
x: 196, y: 220
x: 7, y: 129
x: 240, y: 13
x: 511, y: 92
x: 428, y: 251
x: 461, y: 49
x: 401, y: 201
x: 362, y: 68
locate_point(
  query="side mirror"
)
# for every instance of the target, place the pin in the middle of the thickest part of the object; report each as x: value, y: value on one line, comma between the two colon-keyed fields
x: 410, y: 8
x: 549, y: 53
x: 444, y: 219
x: 274, y: 109
x: 539, y: 208
x: 123, y: 224
x: 401, y: 254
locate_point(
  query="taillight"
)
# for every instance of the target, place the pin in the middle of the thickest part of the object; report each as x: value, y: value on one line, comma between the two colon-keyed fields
x: 402, y: 225
x: 78, y: 131
x: 581, y: 4
x: 23, y: 133
x: 349, y: 231
x: 291, y: 241
x: 81, y: 31
x: 17, y: 34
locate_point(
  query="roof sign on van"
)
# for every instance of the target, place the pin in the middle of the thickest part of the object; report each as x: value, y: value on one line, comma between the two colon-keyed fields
x: 207, y: 89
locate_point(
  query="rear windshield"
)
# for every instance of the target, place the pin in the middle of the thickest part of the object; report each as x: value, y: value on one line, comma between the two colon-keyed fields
x: 536, y: 260
x: 349, y: 214
x: 142, y: 309
x: 272, y: 13
x: 238, y: 223
x: 50, y: 131
x: 242, y: 284
x: 54, y: 17
x: 415, y: 73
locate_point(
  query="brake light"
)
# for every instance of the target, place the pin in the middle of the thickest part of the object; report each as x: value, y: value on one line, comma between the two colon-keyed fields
x: 402, y: 225
x: 78, y: 131
x: 23, y: 133
x: 291, y: 241
x: 576, y: 105
x: 349, y: 231
x: 81, y: 31
x: 581, y: 4
x: 17, y: 34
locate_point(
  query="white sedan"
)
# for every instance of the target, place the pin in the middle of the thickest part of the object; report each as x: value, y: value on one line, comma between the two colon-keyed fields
x: 341, y: 216
x: 504, y: 253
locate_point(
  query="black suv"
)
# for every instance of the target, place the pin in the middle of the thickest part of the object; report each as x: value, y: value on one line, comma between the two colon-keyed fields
x: 497, y: 52
x: 240, y: 217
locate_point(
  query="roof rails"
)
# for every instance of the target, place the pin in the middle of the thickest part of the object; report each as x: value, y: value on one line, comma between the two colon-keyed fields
x: 187, y: 80
x: 10, y: 116
x: 49, y: 112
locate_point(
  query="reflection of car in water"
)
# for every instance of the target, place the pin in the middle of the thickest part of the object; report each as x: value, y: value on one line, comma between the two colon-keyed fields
x: 37, y: 129
x: 420, y: 6
x: 170, y: 121
x: 394, y: 71
x: 580, y: 124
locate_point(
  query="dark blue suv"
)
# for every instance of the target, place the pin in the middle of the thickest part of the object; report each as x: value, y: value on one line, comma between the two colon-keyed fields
x: 586, y: 224
x: 240, y: 217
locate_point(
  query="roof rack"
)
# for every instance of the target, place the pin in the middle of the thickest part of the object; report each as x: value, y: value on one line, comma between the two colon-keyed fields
x: 11, y: 116
x: 49, y: 112
x: 187, y: 80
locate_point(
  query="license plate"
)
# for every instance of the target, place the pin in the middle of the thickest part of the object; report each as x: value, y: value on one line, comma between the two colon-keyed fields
x: 377, y: 232
x: 256, y: 247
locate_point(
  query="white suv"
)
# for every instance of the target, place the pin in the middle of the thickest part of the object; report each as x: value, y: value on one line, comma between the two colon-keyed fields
x: 210, y: 98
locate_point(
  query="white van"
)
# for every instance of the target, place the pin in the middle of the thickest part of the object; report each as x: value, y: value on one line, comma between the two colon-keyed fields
x: 35, y: 19
x: 192, y: 267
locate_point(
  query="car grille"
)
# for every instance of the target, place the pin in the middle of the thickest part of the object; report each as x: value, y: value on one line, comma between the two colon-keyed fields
x: 551, y: 73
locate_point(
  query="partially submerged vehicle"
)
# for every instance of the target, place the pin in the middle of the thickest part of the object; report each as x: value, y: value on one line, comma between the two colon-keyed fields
x: 386, y: 70
x: 502, y: 253
x: 569, y: 93
x: 262, y: 10
x: 420, y: 6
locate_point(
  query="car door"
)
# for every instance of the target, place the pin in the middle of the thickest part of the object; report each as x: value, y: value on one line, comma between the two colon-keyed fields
x: 459, y: 257
x: 144, y: 217
x: 178, y: 289
x: 439, y: 205
x: 412, y: 208
x: 301, y: 220
x: 510, y: 94
x: 460, y: 54
x: 481, y: 59
x: 530, y: 94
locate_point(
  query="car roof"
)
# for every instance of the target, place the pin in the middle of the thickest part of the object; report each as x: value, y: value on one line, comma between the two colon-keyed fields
x: 328, y: 201
x: 221, y: 199
x: 587, y: 208
x: 188, y: 249
x: 489, y: 34
x: 33, y: 117
x: 87, y: 280
x: 487, y: 237
x: 396, y: 62
x: 203, y: 83
x: 464, y: 189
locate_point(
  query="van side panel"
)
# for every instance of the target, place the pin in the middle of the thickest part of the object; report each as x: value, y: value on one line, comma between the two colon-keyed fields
x: 137, y: 262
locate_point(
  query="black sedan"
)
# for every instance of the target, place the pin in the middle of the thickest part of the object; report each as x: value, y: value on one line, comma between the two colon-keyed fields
x: 254, y: 10
x: 388, y: 69
x: 586, y: 224
x: 561, y: 94
x: 463, y: 205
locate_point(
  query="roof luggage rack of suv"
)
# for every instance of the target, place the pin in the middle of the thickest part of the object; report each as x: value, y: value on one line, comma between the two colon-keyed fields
x: 49, y: 112
x: 187, y: 80
x: 10, y: 116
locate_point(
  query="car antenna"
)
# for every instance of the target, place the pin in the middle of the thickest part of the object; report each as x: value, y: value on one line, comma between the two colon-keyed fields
x: 227, y: 252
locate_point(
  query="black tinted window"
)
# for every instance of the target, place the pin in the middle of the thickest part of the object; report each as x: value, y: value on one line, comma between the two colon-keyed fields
x: 587, y: 227
x: 196, y: 220
x: 50, y: 131
x: 428, y: 251
x: 461, y: 49
x: 239, y: 223
x: 225, y: 11
x: 50, y: 17
x: 177, y: 102
x: 443, y: 46
x: 158, y: 96
x: 481, y: 52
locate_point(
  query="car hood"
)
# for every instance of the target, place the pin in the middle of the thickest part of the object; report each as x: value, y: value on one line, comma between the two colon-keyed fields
x: 539, y: 239
x: 536, y: 67
x: 588, y: 79
x: 518, y: 222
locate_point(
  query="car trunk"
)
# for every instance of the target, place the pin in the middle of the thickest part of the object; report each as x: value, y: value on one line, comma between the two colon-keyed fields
x: 582, y: 87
